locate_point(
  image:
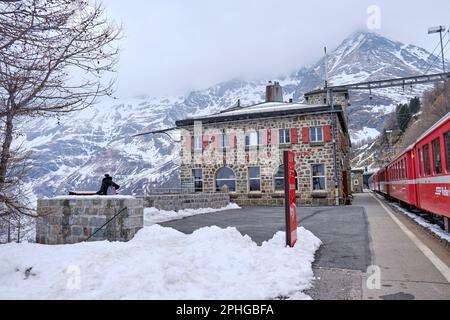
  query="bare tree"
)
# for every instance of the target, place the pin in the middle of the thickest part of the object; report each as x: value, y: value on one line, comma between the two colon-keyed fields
x: 55, y: 57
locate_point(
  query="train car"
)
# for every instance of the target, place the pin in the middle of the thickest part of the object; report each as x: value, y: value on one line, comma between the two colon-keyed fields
x: 401, y: 176
x: 372, y: 182
x: 383, y: 181
x: 432, y: 165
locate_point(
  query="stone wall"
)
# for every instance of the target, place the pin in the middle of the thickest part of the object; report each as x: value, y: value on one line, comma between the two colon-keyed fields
x: 178, y: 202
x: 357, y: 183
x: 73, y: 219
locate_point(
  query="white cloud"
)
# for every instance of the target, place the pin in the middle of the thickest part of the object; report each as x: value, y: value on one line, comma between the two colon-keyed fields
x: 171, y: 47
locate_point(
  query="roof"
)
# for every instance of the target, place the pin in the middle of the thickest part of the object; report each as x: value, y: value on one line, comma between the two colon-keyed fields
x: 263, y: 110
x: 324, y: 90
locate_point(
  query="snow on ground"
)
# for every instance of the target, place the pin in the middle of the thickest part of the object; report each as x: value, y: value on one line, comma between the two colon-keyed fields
x: 365, y: 133
x: 434, y: 228
x: 153, y: 215
x: 161, y: 263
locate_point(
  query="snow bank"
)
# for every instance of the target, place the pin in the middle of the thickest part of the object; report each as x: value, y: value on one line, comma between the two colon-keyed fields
x: 161, y: 263
x: 434, y: 228
x: 153, y: 215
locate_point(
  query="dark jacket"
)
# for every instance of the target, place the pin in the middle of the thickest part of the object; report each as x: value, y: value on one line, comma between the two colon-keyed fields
x: 106, y: 182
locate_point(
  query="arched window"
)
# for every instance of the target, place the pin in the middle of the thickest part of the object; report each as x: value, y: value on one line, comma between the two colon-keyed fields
x: 279, y: 179
x: 225, y: 176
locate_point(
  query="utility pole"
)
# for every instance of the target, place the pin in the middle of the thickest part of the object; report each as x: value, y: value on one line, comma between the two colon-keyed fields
x: 439, y: 30
x: 326, y: 68
x: 333, y: 131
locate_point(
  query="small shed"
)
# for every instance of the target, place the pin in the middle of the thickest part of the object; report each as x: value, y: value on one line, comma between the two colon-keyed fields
x: 358, y: 180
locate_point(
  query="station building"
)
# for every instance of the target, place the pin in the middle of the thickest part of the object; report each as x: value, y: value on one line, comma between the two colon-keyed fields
x: 240, y: 150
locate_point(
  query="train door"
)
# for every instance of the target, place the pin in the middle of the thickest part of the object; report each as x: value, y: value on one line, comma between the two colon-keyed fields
x: 419, y: 174
x: 345, y: 187
x: 412, y: 176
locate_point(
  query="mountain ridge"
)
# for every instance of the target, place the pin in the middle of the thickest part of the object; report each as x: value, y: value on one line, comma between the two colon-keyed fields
x: 74, y: 152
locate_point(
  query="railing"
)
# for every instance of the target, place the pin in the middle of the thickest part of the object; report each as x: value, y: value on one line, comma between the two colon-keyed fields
x: 107, y: 222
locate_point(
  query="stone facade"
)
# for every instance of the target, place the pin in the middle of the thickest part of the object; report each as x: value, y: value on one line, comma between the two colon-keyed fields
x: 357, y: 181
x: 269, y: 159
x: 66, y: 220
x: 187, y: 201
x: 239, y: 156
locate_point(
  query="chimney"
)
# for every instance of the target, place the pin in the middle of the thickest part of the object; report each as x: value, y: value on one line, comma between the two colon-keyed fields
x: 274, y: 92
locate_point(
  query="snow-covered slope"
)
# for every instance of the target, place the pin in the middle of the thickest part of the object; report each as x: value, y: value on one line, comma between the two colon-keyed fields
x: 75, y: 151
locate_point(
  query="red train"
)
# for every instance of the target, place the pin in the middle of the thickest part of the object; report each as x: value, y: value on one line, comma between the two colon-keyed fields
x: 420, y: 176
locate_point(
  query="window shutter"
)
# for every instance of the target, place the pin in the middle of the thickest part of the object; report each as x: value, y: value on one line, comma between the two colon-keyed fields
x: 305, y: 134
x: 233, y: 140
x: 327, y: 133
x: 188, y: 141
x: 214, y: 142
x: 205, y: 142
x: 274, y: 136
x: 294, y: 136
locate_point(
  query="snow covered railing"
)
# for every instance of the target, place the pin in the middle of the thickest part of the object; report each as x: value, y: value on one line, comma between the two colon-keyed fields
x: 73, y: 219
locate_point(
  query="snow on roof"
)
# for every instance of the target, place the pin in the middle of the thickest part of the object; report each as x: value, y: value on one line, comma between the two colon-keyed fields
x: 261, y: 107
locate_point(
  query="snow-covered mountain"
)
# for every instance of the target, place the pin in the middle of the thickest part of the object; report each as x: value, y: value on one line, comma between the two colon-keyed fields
x: 75, y: 151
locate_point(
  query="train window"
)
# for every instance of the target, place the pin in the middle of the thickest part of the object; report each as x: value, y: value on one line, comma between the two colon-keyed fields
x: 426, y: 160
x: 437, y: 157
x: 403, y: 169
x: 406, y: 168
x: 397, y: 171
x: 447, y: 150
x: 420, y: 162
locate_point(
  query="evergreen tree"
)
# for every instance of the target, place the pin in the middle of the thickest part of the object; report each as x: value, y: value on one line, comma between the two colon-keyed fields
x: 403, y: 116
x: 414, y: 105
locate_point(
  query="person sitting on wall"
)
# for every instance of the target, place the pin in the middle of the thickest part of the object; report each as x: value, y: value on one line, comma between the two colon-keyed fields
x: 108, y: 187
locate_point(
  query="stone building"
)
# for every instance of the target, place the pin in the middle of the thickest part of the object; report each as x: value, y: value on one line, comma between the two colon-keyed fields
x: 357, y: 180
x: 240, y: 150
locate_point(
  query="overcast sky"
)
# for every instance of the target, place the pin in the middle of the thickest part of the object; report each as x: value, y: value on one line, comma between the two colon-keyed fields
x: 174, y: 46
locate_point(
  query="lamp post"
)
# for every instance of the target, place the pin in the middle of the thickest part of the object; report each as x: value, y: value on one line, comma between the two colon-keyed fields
x: 439, y: 30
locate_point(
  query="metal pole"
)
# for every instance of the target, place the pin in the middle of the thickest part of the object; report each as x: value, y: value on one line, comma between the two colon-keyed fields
x: 333, y: 130
x: 442, y: 50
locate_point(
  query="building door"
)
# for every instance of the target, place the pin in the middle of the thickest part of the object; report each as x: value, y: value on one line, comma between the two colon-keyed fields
x: 345, y: 186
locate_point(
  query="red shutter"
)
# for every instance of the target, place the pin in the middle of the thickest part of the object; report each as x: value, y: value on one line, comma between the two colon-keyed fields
x: 294, y: 136
x: 305, y: 135
x: 214, y: 142
x: 327, y: 133
x: 188, y: 141
x: 233, y: 140
x: 274, y: 136
x: 265, y: 136
x: 205, y: 142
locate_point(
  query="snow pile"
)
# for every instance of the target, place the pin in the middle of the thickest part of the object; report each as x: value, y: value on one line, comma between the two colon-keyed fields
x: 435, y: 229
x: 161, y: 263
x: 153, y: 215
